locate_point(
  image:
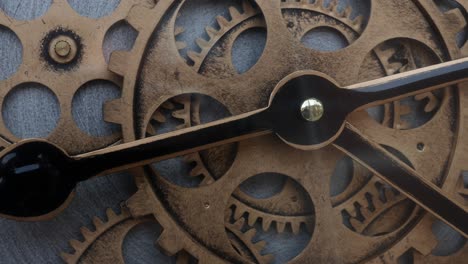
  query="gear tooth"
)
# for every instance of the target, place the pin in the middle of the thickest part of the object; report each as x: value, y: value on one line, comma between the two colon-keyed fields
x: 168, y: 242
x: 118, y: 62
x: 179, y: 127
x: 247, y: 7
x: 457, y: 20
x: 347, y: 12
x: 87, y: 234
x: 206, y: 181
x: 252, y: 219
x: 178, y: 30
x: 197, y: 171
x: 168, y: 105
x: 211, y: 32
x: 110, y: 214
x: 260, y: 245
x: 191, y: 158
x: 180, y: 114
x: 464, y: 50
x: 150, y: 130
x: 75, y: 244
x: 319, y: 4
x: 113, y: 111
x: 136, y: 17
x: 249, y: 234
x: 180, y: 45
x: 239, y: 224
x: 68, y: 258
x: 357, y: 22
x: 98, y: 222
x: 194, y: 56
x: 432, y: 104
x: 296, y: 227
x: 280, y: 226
x: 266, y: 223
x: 238, y: 212
x: 159, y: 117
x: 203, y: 44
x: 139, y: 204
x: 235, y: 14
x: 222, y: 21
x: 394, y: 68
x: 355, y: 223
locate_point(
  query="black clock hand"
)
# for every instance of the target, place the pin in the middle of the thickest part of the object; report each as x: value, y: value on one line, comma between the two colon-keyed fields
x: 307, y: 112
x: 398, y: 174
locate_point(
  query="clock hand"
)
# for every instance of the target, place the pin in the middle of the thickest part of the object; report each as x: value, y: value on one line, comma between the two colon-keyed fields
x: 403, y: 178
x: 36, y: 177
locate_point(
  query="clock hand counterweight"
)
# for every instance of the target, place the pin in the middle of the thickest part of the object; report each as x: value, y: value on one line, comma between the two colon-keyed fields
x: 307, y: 112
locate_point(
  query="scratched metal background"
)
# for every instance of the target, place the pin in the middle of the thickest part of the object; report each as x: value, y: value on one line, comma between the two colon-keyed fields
x: 32, y: 112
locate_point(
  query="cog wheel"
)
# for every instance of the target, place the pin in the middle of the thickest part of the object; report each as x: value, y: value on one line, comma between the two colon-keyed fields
x: 193, y: 219
x: 109, y: 234
x: 242, y: 242
x: 61, y: 51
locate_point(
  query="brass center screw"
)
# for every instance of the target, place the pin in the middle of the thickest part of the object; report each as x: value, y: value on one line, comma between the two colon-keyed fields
x: 312, y: 110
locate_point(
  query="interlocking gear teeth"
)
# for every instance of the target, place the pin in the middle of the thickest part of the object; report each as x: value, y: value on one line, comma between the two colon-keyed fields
x: 357, y: 24
x: 246, y: 238
x: 90, y: 237
x: 225, y: 26
x: 373, y: 200
x: 253, y: 215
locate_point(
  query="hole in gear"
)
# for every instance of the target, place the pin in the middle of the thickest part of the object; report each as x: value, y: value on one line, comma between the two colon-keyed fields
x: 87, y: 107
x: 121, y: 36
x: 398, y: 56
x: 324, y: 39
x: 94, y: 8
x: 25, y: 9
x: 253, y: 218
x: 200, y: 168
x: 31, y: 110
x: 11, y: 53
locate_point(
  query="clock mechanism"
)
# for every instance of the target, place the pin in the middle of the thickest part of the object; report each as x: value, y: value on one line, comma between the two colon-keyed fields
x: 260, y: 200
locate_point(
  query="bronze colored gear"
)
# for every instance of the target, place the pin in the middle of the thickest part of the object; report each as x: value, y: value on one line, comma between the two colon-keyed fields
x: 192, y: 218
x: 109, y: 234
x: 79, y: 59
x: 242, y: 242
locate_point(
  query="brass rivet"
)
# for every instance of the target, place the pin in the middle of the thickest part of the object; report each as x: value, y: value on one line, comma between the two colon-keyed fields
x: 312, y: 110
x: 62, y: 48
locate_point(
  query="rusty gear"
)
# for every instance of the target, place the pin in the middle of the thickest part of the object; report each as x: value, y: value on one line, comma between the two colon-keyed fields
x: 194, y: 219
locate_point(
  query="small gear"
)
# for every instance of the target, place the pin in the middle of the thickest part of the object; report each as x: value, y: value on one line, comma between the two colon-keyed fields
x: 241, y: 240
x: 107, y: 234
x: 61, y: 50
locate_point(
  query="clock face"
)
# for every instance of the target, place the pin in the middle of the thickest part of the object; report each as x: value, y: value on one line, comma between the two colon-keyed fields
x: 258, y: 200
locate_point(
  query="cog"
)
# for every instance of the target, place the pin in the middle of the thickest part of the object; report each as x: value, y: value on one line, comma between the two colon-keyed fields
x: 191, y: 218
x: 61, y: 51
x: 109, y: 234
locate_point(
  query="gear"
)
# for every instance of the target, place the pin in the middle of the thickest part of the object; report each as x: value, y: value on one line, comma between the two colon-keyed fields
x: 109, y: 234
x: 61, y: 51
x: 153, y: 72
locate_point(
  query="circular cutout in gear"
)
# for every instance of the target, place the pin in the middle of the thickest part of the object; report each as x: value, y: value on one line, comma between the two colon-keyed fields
x: 31, y: 110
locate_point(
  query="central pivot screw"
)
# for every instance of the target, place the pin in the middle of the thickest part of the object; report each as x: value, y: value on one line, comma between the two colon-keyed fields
x: 312, y: 110
x: 63, y: 49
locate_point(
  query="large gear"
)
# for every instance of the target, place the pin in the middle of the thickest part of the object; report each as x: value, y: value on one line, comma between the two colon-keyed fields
x: 191, y: 218
x: 63, y: 69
